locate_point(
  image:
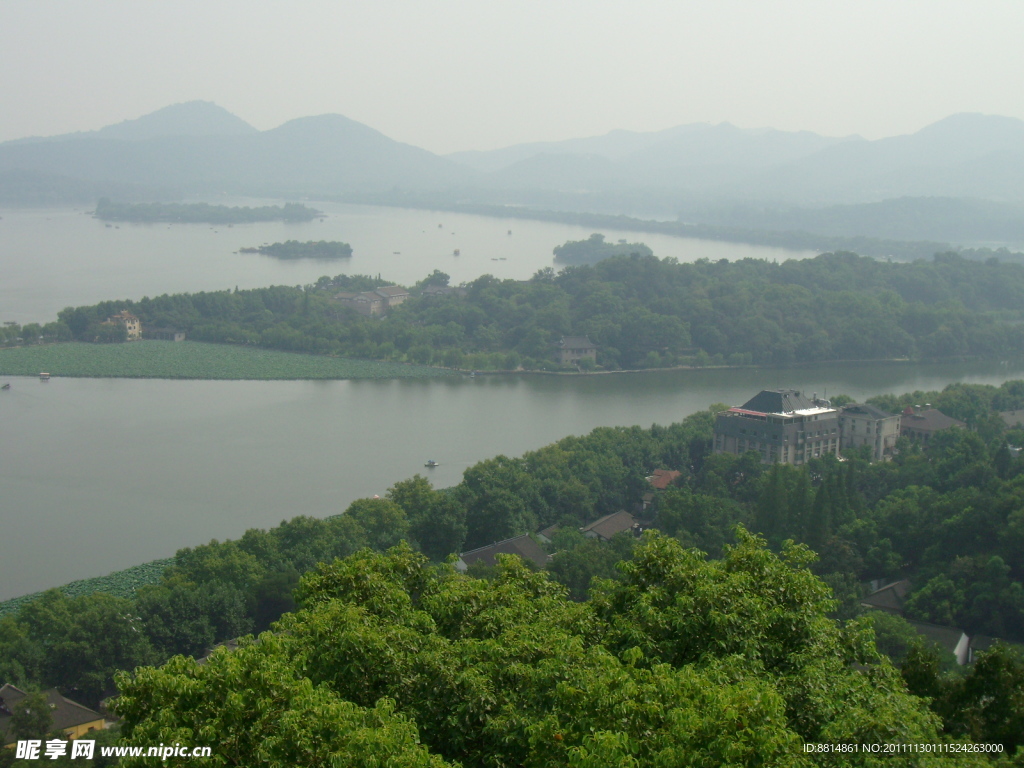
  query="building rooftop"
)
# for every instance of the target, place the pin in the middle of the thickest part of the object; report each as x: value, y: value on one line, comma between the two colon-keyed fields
x: 576, y: 342
x: 890, y: 598
x: 389, y: 291
x: 928, y: 420
x: 781, y: 401
x: 65, y: 713
x: 863, y: 409
x: 609, y: 525
x: 1012, y: 418
x: 524, y: 546
x: 662, y: 478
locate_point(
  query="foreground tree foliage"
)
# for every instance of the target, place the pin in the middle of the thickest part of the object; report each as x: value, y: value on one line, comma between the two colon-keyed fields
x: 684, y: 662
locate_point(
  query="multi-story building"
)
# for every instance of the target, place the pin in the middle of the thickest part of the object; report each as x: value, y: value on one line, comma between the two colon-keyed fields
x: 864, y: 425
x: 782, y: 425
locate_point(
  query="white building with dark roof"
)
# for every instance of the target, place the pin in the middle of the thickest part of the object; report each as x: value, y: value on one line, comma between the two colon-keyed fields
x: 782, y: 425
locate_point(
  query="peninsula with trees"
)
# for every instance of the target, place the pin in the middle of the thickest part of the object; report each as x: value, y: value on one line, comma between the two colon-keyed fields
x: 630, y: 312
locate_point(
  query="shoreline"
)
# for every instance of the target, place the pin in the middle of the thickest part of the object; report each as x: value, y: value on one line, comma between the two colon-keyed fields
x: 421, y: 371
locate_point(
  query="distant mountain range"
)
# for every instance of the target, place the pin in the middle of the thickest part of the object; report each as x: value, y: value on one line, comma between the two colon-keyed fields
x: 200, y: 149
x: 708, y: 174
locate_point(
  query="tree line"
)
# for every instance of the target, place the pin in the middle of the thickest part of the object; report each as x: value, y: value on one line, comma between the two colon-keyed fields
x: 201, y: 213
x: 641, y: 312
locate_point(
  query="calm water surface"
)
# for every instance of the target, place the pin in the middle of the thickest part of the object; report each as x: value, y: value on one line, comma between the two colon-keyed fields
x: 101, y: 474
x: 54, y: 258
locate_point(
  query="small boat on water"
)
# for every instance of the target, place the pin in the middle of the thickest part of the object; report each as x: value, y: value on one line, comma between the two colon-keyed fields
x: 456, y: 253
x: 44, y: 376
x: 6, y: 386
x: 431, y: 463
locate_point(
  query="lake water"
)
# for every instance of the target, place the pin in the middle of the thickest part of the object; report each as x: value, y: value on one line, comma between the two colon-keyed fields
x: 54, y: 258
x: 100, y: 474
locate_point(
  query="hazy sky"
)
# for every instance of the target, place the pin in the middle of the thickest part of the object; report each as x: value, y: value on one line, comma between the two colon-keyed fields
x: 465, y: 74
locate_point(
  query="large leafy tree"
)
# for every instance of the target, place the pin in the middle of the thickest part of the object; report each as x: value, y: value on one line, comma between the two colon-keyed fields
x: 684, y: 662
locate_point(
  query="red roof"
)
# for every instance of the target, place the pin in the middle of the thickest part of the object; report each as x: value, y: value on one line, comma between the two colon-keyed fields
x: 662, y: 478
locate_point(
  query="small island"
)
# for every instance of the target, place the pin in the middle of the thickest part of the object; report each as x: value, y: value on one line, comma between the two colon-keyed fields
x: 595, y: 249
x: 293, y: 249
x: 201, y: 213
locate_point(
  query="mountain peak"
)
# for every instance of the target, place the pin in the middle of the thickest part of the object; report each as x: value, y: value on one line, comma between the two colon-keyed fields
x: 190, y: 118
x: 974, y: 126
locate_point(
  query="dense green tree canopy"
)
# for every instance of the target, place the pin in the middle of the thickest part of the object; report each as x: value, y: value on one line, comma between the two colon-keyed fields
x: 640, y: 311
x: 683, y: 663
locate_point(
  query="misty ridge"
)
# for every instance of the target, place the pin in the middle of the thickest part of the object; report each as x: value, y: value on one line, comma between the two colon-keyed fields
x: 959, y: 180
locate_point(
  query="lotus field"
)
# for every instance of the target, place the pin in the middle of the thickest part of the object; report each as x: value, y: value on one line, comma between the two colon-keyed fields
x: 194, y: 360
x: 119, y: 584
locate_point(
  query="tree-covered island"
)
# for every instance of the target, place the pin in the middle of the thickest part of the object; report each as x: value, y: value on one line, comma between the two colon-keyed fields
x: 637, y: 311
x: 201, y: 213
x: 294, y: 249
x: 595, y: 249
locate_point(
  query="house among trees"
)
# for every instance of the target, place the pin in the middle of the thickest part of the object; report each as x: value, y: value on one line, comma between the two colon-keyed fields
x: 865, y: 425
x: 609, y: 525
x: 524, y: 546
x: 920, y: 424
x: 891, y: 599
x: 571, y: 350
x: 368, y: 303
x: 782, y: 425
x: 660, y: 479
x: 74, y: 720
x: 1012, y: 419
x: 375, y: 302
x: 393, y: 295
x: 131, y: 323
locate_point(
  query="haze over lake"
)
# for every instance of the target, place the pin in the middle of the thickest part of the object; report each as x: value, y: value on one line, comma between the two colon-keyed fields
x: 54, y: 258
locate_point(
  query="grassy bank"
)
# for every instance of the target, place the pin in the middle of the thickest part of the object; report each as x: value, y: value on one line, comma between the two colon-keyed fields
x: 194, y: 360
x: 120, y: 584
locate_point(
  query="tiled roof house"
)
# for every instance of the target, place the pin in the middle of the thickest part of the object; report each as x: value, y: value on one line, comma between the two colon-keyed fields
x: 68, y: 716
